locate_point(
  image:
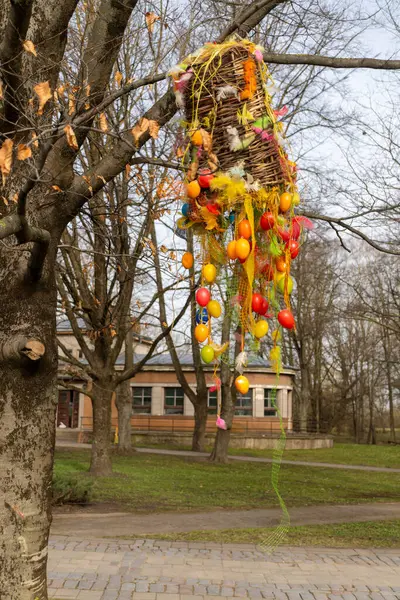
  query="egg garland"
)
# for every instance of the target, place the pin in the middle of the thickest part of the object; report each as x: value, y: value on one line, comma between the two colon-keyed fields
x: 241, y: 193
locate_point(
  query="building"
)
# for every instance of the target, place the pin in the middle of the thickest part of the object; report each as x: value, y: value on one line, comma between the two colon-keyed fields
x: 159, y: 404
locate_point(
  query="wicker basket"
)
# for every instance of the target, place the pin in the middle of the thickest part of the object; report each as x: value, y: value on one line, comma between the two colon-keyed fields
x: 261, y: 159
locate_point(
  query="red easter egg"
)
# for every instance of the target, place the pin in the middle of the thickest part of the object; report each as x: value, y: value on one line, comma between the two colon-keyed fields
x: 264, y: 307
x: 294, y: 248
x: 204, y: 178
x: 256, y: 302
x: 267, y: 221
x: 286, y: 319
x: 203, y: 296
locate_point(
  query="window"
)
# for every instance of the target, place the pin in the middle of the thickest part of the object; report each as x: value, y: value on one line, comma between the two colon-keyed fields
x: 141, y: 400
x: 244, y: 404
x: 212, y: 402
x: 269, y: 402
x: 173, y: 401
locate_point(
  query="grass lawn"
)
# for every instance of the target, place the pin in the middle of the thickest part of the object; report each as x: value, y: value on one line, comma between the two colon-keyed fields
x: 350, y: 454
x: 370, y: 534
x: 148, y: 483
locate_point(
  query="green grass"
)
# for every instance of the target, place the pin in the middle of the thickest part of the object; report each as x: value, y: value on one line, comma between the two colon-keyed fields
x: 371, y: 534
x: 347, y: 454
x: 156, y: 483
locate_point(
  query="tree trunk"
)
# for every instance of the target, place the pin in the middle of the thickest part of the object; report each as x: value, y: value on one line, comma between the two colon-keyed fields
x: 124, y: 405
x: 28, y: 401
x: 386, y: 348
x: 100, y: 464
x: 200, y: 425
x: 219, y: 453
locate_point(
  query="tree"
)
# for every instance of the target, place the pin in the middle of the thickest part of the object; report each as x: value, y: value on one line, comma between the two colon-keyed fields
x: 44, y: 191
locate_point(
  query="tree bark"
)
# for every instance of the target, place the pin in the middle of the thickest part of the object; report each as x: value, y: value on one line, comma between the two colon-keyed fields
x: 123, y: 403
x: 28, y: 401
x: 100, y: 464
x: 200, y: 426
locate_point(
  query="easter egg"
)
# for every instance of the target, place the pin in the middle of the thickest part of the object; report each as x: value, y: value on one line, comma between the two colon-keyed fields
x: 260, y: 329
x: 285, y: 201
x: 231, y: 250
x: 185, y: 209
x: 281, y: 285
x: 201, y: 333
x: 264, y: 307
x: 214, y: 309
x: 209, y: 273
x: 187, y: 260
x: 281, y: 265
x: 294, y: 248
x: 207, y: 354
x: 256, y: 302
x: 242, y: 249
x: 193, y: 189
x: 242, y: 384
x: 201, y: 316
x: 286, y: 318
x: 204, y: 178
x: 296, y: 198
x: 232, y: 218
x: 196, y: 138
x: 203, y: 296
x: 267, y: 221
x: 244, y: 229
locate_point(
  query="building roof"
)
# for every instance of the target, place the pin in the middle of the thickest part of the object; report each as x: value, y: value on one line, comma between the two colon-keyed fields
x: 65, y: 326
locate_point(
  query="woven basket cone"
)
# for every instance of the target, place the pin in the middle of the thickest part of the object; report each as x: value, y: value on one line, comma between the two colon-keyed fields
x: 261, y: 159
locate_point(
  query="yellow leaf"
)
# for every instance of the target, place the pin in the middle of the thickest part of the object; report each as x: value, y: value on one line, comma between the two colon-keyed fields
x: 103, y: 122
x: 151, y: 18
x: 127, y: 170
x: 71, y: 104
x: 29, y: 47
x: 154, y: 128
x: 140, y: 128
x: 6, y: 158
x: 43, y: 92
x: 56, y: 188
x: 118, y: 77
x: 71, y: 138
x: 23, y: 152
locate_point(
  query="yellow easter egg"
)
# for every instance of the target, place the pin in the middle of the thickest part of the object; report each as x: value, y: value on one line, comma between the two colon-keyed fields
x: 193, y: 189
x: 242, y: 248
x: 214, y: 309
x: 231, y: 250
x: 209, y: 272
x: 261, y: 329
x: 197, y: 138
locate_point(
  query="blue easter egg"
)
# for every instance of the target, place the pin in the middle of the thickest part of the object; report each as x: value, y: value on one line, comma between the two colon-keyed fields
x: 185, y: 209
x: 232, y: 218
x: 201, y: 316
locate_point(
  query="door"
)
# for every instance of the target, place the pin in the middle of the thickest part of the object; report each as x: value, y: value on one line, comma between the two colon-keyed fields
x: 68, y: 408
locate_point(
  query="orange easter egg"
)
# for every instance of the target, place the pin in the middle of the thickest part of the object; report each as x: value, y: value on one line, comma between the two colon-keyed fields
x: 193, y: 189
x: 242, y: 249
x: 242, y: 384
x: 231, y: 250
x: 244, y: 229
x: 201, y: 333
x: 281, y: 265
x: 196, y: 138
x: 187, y: 260
x: 285, y: 201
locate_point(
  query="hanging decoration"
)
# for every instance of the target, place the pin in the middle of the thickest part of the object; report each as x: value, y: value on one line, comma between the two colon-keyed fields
x: 241, y: 192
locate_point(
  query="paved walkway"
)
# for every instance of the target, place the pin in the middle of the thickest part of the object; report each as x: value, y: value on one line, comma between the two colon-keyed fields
x: 297, y: 463
x: 148, y: 570
x: 91, y: 525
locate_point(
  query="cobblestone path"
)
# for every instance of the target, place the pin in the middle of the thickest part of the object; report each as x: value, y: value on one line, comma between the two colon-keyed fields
x: 107, y: 569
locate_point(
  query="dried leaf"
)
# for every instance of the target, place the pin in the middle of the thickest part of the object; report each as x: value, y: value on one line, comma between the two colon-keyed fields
x: 29, y: 47
x: 140, y: 128
x: 118, y: 78
x: 151, y: 18
x: 101, y: 178
x: 6, y: 158
x: 71, y: 137
x: 1, y: 91
x: 163, y: 249
x: 23, y: 152
x: 127, y: 170
x: 4, y: 200
x: 71, y: 104
x: 35, y: 141
x: 103, y: 122
x: 56, y: 188
x: 43, y: 92
x: 207, y: 140
x: 60, y: 90
x: 15, y: 197
x: 87, y: 179
x: 154, y: 128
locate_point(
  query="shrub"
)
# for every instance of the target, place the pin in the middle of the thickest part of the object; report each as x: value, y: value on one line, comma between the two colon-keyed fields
x: 68, y: 489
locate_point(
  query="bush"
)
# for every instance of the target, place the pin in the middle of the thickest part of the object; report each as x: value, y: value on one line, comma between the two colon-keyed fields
x: 68, y: 489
